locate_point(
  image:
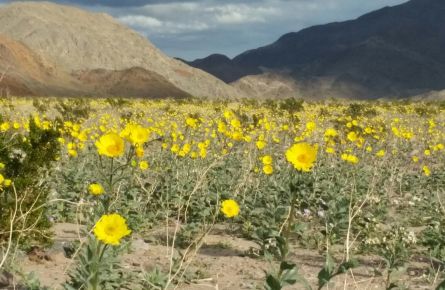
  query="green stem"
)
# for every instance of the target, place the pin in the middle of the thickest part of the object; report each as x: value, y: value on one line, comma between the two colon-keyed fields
x: 388, y: 279
x: 291, y: 220
x: 100, y: 251
x: 106, y: 200
x: 111, y: 174
x: 95, y: 276
x: 290, y: 223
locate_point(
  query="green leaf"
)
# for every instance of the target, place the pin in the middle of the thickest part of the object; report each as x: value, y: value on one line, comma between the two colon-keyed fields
x: 327, y: 272
x: 345, y: 266
x: 286, y: 266
x: 323, y: 277
x: 272, y: 283
x: 289, y: 277
x: 392, y: 286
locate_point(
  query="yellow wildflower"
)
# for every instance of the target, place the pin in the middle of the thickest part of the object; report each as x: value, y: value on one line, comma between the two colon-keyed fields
x: 191, y: 122
x: 426, y: 171
x: 267, y: 160
x: 235, y: 123
x: 139, y: 152
x: 352, y: 136
x: 260, y: 144
x: 4, y: 127
x: 230, y: 208
x: 330, y: 150
x: 111, y: 145
x: 350, y: 158
x: 302, y: 156
x: 110, y: 229
x: 311, y: 126
x: 138, y: 135
x: 143, y: 165
x: 331, y: 132
x: 95, y: 189
x: 380, y: 153
x: 268, y: 169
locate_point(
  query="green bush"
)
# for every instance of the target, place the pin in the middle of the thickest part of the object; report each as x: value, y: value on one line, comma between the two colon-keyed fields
x: 26, y: 159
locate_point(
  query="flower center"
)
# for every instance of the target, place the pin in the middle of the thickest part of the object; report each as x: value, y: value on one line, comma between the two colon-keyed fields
x: 110, y: 230
x: 113, y: 149
x: 302, y: 158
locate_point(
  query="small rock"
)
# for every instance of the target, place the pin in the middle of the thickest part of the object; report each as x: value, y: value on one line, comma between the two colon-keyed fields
x: 138, y: 245
x: 38, y: 255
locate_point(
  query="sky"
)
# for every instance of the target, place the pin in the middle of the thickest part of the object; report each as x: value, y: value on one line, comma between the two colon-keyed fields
x: 197, y: 28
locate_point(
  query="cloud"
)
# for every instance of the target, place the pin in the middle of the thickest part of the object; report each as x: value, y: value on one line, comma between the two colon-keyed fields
x: 188, y: 17
x: 132, y: 3
x: 140, y: 22
x: 148, y: 25
x: 109, y: 3
x: 195, y: 28
x: 241, y: 13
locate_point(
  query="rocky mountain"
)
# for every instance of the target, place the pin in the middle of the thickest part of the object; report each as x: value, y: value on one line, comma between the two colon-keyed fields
x: 391, y: 52
x: 87, y: 49
x: 23, y: 72
x: 221, y: 66
x: 268, y: 85
x: 133, y: 82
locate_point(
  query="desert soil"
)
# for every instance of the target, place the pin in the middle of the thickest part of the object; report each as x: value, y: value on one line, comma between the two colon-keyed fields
x: 222, y: 263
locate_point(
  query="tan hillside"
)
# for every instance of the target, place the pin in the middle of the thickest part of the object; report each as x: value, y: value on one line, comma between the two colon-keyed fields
x: 77, y: 40
x: 23, y: 72
x: 431, y: 96
x: 273, y: 86
x: 279, y: 85
x: 132, y: 82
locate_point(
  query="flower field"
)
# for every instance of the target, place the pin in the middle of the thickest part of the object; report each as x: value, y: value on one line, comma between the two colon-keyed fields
x: 358, y: 187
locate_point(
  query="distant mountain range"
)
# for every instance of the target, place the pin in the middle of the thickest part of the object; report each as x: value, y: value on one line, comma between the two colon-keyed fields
x: 49, y: 49
x: 396, y: 51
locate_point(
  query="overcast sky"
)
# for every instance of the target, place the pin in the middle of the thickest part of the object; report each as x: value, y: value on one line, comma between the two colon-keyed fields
x: 196, y: 28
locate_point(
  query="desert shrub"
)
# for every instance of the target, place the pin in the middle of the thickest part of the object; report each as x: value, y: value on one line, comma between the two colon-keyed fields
x: 357, y: 109
x: 291, y: 105
x: 117, y: 102
x: 26, y: 159
x: 73, y: 109
x: 40, y: 105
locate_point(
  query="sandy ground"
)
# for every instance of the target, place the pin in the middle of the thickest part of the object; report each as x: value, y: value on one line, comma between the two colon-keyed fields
x: 222, y: 263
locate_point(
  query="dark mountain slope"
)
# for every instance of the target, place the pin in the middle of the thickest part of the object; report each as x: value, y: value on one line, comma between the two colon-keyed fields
x: 394, y: 51
x: 221, y: 66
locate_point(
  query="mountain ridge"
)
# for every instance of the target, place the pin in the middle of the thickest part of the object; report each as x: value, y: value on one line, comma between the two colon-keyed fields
x: 391, y: 52
x: 74, y: 41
